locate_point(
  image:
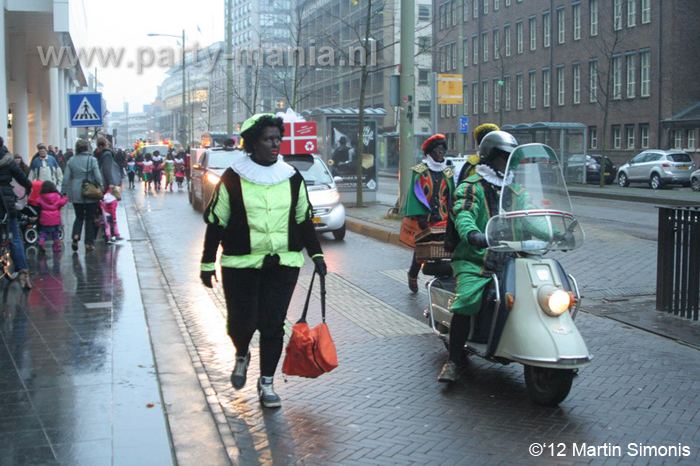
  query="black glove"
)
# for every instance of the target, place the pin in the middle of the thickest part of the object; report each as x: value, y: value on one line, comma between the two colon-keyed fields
x: 206, y: 276
x: 320, y: 266
x: 477, y: 239
x: 422, y: 222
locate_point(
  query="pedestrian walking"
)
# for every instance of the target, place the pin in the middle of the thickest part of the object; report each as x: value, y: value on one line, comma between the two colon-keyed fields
x: 51, y: 203
x: 109, y: 217
x: 430, y: 195
x: 82, y: 166
x: 262, y: 239
x: 169, y: 165
x: 147, y: 172
x: 9, y: 171
x: 46, y: 168
x: 179, y: 174
x: 131, y: 169
x: 157, y: 169
x: 23, y: 166
x: 111, y: 173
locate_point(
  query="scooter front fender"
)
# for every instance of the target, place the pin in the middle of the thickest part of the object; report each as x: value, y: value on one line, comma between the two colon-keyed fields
x: 530, y: 336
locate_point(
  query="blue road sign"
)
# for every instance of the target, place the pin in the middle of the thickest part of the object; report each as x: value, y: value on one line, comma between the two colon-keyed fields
x: 464, y: 124
x: 85, y: 109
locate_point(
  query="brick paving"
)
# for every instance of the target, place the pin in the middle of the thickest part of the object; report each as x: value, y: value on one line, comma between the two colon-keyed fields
x: 382, y: 405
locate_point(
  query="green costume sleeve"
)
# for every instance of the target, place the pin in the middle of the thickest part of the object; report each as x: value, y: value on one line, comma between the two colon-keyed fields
x: 413, y: 205
x: 467, y: 209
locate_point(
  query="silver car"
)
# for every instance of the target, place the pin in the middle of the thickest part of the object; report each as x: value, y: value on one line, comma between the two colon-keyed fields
x: 695, y: 180
x: 658, y: 168
x: 329, y: 213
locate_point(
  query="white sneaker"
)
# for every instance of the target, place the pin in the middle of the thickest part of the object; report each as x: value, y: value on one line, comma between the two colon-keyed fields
x: 266, y: 392
x: 238, y: 376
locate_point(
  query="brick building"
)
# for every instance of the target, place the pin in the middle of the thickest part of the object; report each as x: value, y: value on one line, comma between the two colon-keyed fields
x: 526, y: 61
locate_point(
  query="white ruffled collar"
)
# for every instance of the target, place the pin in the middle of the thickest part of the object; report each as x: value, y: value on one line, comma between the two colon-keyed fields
x: 267, y: 176
x: 490, y: 175
x: 435, y: 166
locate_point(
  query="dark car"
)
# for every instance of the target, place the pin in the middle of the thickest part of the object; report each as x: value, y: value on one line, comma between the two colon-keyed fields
x: 576, y: 169
x: 206, y: 172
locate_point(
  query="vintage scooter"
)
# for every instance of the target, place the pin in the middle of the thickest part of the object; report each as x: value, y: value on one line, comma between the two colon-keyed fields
x: 528, y: 313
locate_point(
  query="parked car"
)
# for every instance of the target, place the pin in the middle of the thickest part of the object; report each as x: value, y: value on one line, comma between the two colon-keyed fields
x: 329, y: 213
x: 205, y: 173
x: 695, y: 180
x: 575, y: 168
x: 658, y: 168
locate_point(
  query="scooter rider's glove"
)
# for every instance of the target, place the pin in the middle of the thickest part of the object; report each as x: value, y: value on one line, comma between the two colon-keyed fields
x: 478, y: 239
x: 422, y: 221
x: 206, y: 276
x: 320, y: 266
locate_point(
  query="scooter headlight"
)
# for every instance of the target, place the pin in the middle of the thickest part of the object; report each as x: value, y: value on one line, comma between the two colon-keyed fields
x: 555, y: 301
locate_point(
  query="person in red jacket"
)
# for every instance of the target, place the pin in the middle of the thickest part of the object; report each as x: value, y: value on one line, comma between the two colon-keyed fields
x: 51, y: 203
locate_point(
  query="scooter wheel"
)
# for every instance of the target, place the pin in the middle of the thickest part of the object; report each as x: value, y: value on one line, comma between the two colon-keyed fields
x: 31, y: 235
x: 546, y: 386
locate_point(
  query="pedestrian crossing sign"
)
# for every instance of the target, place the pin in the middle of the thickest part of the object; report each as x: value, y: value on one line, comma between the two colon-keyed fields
x: 85, y: 109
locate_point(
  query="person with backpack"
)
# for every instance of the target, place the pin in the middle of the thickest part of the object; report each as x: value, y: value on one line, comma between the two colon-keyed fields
x: 46, y: 168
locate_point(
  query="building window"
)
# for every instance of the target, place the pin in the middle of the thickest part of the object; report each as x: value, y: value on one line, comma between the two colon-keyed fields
x: 677, y: 139
x: 576, y: 13
x: 496, y: 44
x: 485, y: 91
x: 475, y: 10
x: 629, y: 135
x: 546, y: 29
x: 519, y: 91
x: 593, y: 81
x: 691, y: 139
x: 442, y: 111
x: 486, y: 7
x: 424, y: 12
x: 506, y: 39
x: 475, y: 97
x: 593, y: 136
x: 646, y: 11
x: 561, y: 26
x: 475, y: 49
x: 454, y: 55
x: 630, y: 61
x: 454, y: 12
x: 485, y: 40
x: 496, y: 95
x: 533, y: 33
x: 617, y: 15
x: 546, y: 87
x: 533, y: 90
x: 465, y: 52
x: 593, y: 14
x: 576, y: 74
x: 617, y: 77
x: 561, y: 88
x: 644, y: 136
x: 441, y: 12
x: 507, y: 2
x: 506, y: 92
x: 631, y: 13
x: 519, y: 36
x: 424, y: 44
x: 496, y: 5
x: 423, y: 77
x: 645, y: 64
x: 465, y: 10
x: 441, y: 52
x: 465, y: 99
x: 424, y: 109
x: 616, y: 137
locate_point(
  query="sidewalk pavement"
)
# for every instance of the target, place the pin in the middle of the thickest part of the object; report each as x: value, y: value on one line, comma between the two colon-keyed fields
x: 375, y: 221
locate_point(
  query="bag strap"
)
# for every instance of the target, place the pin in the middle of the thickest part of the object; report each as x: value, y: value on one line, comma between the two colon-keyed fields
x: 322, y: 279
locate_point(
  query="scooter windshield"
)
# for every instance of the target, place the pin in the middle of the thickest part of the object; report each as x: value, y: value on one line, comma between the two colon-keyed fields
x: 535, y: 213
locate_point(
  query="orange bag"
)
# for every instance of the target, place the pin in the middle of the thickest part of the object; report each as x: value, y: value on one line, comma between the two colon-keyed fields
x: 409, y: 230
x: 311, y: 351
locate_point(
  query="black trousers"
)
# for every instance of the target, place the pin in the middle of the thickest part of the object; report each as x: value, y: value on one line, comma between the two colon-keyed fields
x: 85, y: 213
x: 258, y: 299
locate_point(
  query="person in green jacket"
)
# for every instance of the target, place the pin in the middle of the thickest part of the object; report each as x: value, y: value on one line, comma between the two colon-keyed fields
x: 429, y: 198
x: 261, y: 216
x: 476, y: 201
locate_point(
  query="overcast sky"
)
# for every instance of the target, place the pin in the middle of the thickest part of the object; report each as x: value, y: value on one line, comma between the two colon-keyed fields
x: 126, y: 24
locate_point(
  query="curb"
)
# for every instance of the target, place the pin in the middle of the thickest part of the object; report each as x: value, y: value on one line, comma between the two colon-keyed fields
x: 374, y: 231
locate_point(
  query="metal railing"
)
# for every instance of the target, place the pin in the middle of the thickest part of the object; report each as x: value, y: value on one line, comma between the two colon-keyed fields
x: 678, y: 261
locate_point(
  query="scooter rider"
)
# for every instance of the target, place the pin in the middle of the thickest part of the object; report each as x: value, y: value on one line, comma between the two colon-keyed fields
x: 476, y: 201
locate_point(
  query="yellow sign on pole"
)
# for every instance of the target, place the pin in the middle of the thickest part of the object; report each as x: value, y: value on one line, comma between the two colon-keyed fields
x: 449, y: 88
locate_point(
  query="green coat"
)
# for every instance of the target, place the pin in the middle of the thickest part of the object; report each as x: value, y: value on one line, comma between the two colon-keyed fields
x: 425, y: 197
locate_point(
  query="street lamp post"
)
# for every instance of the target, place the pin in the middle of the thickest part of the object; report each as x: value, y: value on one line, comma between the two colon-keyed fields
x: 183, y: 115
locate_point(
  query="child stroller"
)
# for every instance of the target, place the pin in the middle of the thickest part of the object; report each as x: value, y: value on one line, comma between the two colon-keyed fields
x: 28, y: 221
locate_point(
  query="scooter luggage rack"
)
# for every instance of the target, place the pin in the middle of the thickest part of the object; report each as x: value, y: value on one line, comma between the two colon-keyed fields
x: 445, y: 337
